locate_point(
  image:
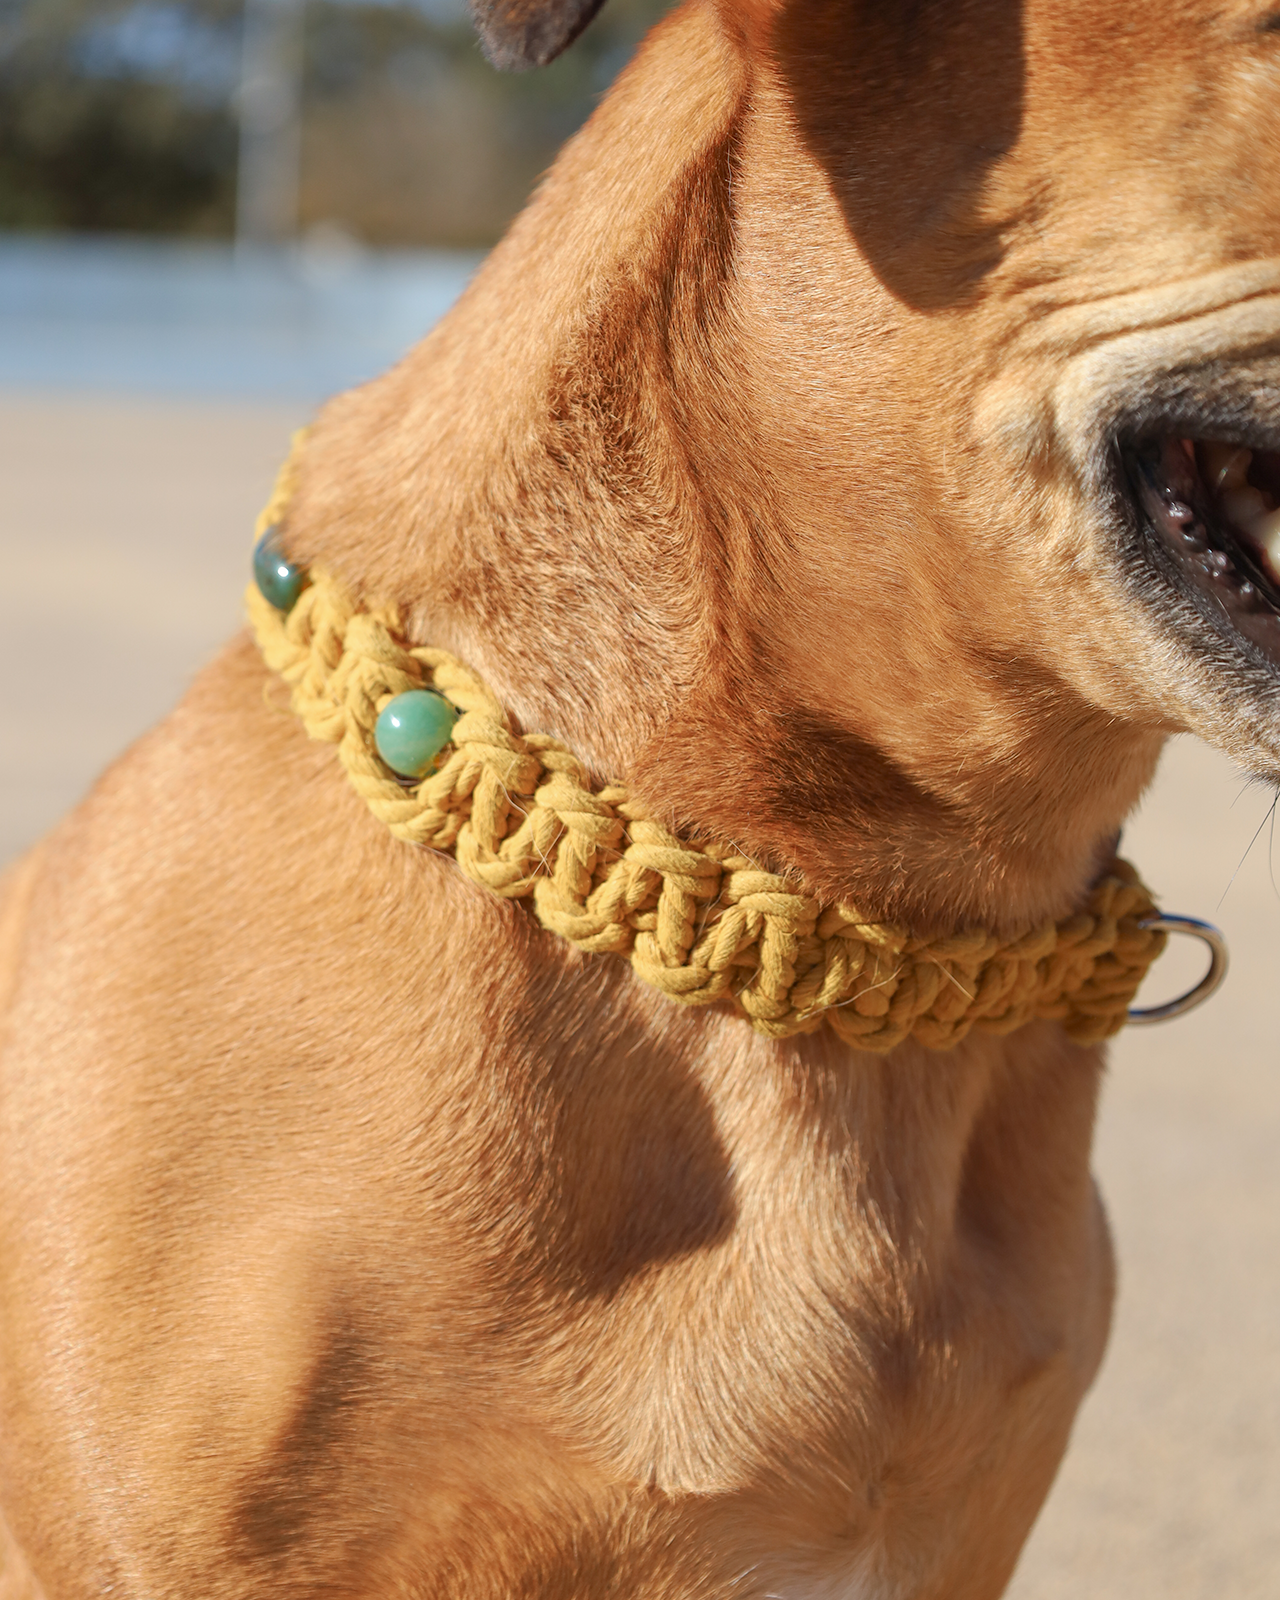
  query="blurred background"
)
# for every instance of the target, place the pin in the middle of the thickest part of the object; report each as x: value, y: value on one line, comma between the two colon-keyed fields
x: 259, y: 197
x: 384, y: 123
x: 214, y: 214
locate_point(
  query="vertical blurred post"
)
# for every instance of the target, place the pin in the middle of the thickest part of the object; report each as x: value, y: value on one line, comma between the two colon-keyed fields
x: 270, y: 124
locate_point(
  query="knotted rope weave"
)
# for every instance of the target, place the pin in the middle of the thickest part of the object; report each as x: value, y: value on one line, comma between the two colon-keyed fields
x: 700, y: 922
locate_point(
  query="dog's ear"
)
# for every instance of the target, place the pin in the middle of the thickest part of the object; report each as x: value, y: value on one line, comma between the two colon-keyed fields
x: 518, y: 34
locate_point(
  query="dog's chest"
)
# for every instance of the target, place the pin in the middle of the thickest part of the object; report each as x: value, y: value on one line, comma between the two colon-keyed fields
x: 769, y: 1326
x: 700, y: 1328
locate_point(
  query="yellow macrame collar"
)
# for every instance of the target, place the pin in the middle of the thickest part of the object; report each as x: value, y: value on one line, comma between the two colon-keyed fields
x: 700, y: 922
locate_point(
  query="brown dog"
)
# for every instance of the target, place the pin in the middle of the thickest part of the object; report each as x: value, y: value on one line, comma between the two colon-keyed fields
x: 830, y: 449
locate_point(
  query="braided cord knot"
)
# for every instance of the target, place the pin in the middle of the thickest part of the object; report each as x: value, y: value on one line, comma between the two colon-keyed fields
x: 697, y: 921
x: 700, y: 923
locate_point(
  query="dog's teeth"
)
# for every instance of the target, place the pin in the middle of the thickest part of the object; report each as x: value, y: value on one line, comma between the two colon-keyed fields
x: 1226, y: 466
x: 1243, y: 506
x: 1263, y: 527
x: 1266, y: 530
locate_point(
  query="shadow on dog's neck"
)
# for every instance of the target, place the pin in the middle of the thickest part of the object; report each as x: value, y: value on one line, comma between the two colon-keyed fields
x: 684, y: 481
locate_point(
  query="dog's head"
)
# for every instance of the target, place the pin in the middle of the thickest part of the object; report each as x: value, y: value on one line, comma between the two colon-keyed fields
x: 1069, y: 207
x: 1073, y: 205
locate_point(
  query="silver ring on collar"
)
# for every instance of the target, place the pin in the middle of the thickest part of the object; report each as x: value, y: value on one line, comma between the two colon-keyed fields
x: 1209, y: 984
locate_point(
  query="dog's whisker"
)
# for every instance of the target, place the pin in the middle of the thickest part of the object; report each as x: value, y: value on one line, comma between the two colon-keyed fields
x: 1256, y: 835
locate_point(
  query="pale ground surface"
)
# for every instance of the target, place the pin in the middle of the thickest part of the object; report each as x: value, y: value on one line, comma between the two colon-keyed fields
x: 124, y: 531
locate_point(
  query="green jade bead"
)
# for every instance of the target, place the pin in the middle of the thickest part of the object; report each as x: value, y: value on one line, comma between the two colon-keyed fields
x: 412, y: 730
x: 279, y: 581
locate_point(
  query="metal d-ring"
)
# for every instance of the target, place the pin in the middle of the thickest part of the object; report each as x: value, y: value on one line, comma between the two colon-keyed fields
x: 1212, y: 980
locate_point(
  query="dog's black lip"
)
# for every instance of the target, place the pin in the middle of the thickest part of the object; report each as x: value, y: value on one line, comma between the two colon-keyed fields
x: 1148, y: 553
x: 1180, y: 413
x: 1217, y: 534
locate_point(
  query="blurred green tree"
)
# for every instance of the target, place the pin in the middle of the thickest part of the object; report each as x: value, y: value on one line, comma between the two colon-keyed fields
x: 120, y: 115
x: 114, y: 117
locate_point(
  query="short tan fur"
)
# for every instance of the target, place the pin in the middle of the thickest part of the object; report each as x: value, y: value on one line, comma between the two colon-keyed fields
x: 357, y: 1238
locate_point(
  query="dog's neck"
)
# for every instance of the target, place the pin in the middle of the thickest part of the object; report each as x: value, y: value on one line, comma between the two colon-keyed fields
x: 657, y: 477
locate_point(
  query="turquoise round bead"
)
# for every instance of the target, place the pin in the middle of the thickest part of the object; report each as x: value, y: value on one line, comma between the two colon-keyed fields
x: 412, y: 730
x: 279, y: 581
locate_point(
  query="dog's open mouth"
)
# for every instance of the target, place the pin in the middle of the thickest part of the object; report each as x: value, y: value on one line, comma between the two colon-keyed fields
x: 1214, y: 506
